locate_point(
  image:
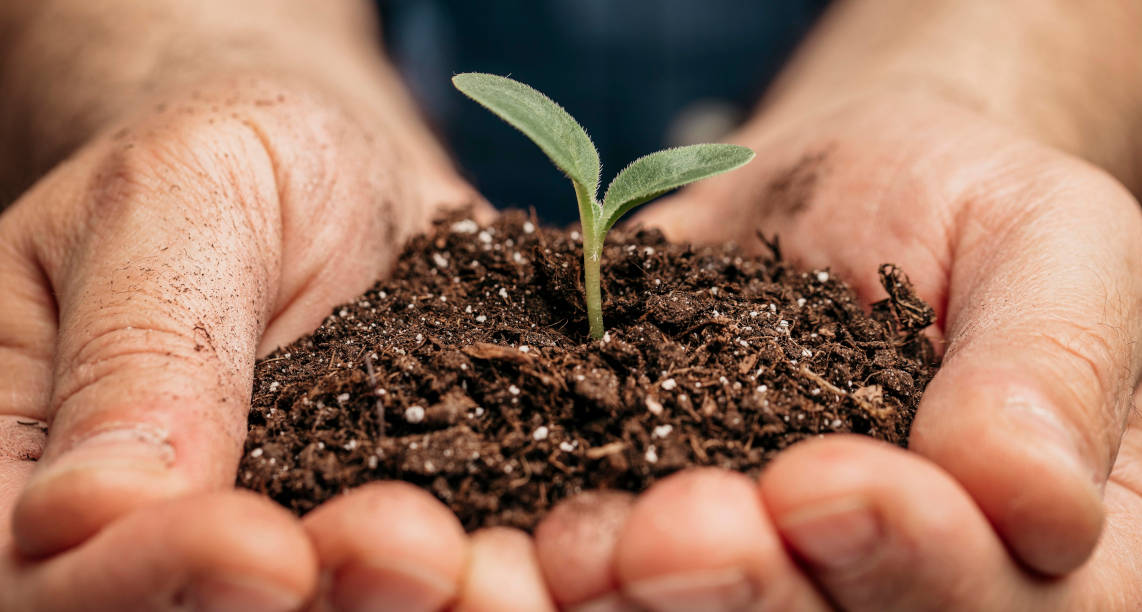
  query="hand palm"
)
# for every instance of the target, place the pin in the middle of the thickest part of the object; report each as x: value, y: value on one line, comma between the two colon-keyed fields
x: 141, y: 277
x: 1031, y: 259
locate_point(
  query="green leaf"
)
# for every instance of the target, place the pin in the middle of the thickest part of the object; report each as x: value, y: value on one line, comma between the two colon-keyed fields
x: 541, y: 119
x: 652, y: 175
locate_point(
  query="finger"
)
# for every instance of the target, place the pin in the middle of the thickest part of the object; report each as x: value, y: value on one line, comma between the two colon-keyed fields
x: 27, y: 323
x: 882, y: 529
x: 160, y: 308
x: 388, y: 546
x: 1044, y: 314
x: 27, y: 340
x: 575, y: 545
x: 503, y: 574
x: 701, y: 540
x: 225, y: 551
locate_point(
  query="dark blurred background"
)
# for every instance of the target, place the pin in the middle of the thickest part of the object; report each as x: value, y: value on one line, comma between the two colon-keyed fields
x: 639, y: 75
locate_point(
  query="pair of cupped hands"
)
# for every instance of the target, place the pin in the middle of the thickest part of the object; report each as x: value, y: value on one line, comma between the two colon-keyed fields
x: 140, y: 278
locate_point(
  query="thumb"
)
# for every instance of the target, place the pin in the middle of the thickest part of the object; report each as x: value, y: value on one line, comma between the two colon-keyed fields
x: 1029, y: 406
x: 162, y: 283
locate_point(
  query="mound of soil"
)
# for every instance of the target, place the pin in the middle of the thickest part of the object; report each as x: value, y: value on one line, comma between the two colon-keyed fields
x: 469, y: 372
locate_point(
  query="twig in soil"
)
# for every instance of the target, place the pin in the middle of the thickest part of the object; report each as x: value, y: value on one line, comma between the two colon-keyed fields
x: 746, y: 365
x: 690, y: 410
x: 825, y: 384
x: 698, y: 450
x: 373, y: 384
x: 774, y: 245
x: 673, y: 371
x: 605, y: 450
x: 706, y: 323
x: 557, y: 464
x: 820, y: 380
x: 489, y: 352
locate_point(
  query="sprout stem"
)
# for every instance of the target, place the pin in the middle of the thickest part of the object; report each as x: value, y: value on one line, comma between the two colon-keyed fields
x: 593, y: 293
x: 589, y: 211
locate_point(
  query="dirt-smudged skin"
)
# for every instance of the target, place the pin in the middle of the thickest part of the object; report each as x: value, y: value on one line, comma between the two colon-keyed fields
x: 486, y: 391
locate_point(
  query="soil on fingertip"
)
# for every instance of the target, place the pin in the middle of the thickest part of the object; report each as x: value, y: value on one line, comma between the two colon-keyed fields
x: 469, y: 371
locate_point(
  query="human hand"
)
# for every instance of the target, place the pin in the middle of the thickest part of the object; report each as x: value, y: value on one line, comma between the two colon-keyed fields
x: 1024, y: 444
x: 142, y: 277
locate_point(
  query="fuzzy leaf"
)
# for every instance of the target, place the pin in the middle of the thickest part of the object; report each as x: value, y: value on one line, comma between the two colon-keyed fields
x: 541, y: 120
x: 652, y: 175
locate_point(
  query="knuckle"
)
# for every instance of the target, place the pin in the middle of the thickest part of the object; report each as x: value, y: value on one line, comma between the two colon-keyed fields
x: 139, y: 360
x: 1032, y: 185
x: 1091, y: 359
x: 235, y: 147
x: 1090, y: 362
x: 194, y: 164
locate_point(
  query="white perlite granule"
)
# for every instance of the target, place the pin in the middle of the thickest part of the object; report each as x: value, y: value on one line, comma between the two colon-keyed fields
x: 414, y: 414
x: 465, y: 226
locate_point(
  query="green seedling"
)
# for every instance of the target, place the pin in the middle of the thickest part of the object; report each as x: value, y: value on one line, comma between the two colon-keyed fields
x: 567, y: 145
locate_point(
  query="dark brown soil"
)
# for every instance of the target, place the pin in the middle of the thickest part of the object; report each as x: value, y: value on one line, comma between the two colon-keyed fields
x: 470, y: 374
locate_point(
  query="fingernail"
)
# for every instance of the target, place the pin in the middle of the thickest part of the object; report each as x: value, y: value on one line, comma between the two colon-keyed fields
x: 389, y: 587
x: 136, y: 448
x: 611, y: 602
x: 222, y: 595
x: 1031, y: 420
x: 713, y: 590
x: 837, y: 535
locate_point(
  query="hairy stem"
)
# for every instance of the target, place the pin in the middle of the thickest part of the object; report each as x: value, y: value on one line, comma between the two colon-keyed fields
x: 593, y: 292
x: 589, y: 211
